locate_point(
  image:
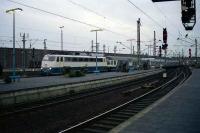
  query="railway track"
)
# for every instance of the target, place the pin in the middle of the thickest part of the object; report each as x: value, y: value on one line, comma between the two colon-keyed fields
x: 112, y: 118
x: 54, y: 101
x: 55, y: 116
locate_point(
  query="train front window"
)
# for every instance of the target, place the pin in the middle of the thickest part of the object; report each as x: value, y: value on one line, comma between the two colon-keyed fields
x: 45, y: 58
x: 49, y: 58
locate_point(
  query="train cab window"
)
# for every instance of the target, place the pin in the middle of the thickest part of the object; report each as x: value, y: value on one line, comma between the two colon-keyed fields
x: 114, y: 62
x: 57, y: 59
x: 61, y: 59
x: 51, y: 58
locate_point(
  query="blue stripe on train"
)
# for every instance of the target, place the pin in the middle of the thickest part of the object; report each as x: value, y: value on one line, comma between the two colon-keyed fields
x: 60, y: 70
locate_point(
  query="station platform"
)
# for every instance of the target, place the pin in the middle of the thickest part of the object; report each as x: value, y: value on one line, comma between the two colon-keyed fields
x: 27, y: 83
x: 177, y: 112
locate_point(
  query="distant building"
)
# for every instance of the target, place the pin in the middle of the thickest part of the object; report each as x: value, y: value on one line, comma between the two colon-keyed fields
x: 33, y: 57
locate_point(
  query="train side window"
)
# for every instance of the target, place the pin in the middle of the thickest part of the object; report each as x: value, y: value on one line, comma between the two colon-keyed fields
x: 61, y: 59
x: 90, y: 59
x: 81, y: 59
x: 67, y: 59
x: 114, y: 62
x: 85, y: 59
x: 57, y: 59
x: 100, y: 60
x: 74, y: 59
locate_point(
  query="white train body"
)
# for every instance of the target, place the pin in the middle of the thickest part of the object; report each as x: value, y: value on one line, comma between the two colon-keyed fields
x: 158, y: 63
x: 55, y: 64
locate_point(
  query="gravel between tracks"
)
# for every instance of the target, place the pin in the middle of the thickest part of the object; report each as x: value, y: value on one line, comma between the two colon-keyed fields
x: 53, y: 119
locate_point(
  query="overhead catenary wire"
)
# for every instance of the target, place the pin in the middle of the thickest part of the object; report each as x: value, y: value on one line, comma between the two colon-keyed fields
x: 151, y: 18
x: 145, y: 13
x: 85, y: 8
x: 94, y: 12
x: 165, y: 16
x: 64, y: 17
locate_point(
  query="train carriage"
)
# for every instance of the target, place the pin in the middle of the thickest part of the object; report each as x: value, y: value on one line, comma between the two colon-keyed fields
x: 56, y: 64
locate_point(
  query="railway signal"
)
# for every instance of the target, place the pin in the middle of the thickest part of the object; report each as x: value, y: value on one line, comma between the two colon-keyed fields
x: 165, y: 35
x: 190, y: 53
x: 188, y: 8
x: 160, y: 51
x: 165, y: 45
x: 33, y: 52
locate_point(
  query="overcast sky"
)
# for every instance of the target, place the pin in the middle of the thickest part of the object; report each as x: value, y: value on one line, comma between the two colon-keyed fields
x: 117, y: 17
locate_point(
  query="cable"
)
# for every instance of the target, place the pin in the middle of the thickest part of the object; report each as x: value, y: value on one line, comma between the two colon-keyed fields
x: 94, y: 12
x: 145, y: 13
x: 173, y: 35
x: 71, y: 19
x: 85, y: 8
x: 164, y: 15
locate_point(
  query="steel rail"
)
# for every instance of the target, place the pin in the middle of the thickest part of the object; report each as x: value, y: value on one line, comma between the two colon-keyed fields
x: 101, y: 116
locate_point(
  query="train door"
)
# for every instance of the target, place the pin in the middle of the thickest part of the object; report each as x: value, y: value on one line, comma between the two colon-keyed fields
x: 61, y: 62
x: 61, y: 65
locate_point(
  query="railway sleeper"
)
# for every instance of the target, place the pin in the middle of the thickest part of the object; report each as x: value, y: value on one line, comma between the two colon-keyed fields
x: 128, y: 92
x: 102, y: 126
x: 136, y: 110
x: 120, y: 116
x: 109, y: 122
x: 142, y: 104
x: 125, y: 113
x: 92, y: 130
x: 115, y: 119
x: 145, y: 102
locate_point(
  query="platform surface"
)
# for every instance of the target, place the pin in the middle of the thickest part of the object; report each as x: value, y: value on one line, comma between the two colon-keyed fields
x: 177, y: 112
x: 27, y: 83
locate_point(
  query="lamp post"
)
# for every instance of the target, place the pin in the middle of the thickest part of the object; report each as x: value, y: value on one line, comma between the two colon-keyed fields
x: 14, y: 55
x: 96, y: 71
x: 132, y: 47
x: 61, y: 37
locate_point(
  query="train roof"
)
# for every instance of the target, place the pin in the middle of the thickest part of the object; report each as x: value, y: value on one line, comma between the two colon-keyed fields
x: 79, y: 56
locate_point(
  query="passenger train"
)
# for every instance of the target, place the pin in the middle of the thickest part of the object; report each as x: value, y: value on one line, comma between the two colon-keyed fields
x: 56, y: 64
